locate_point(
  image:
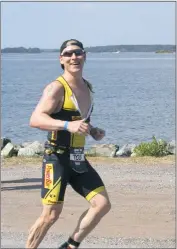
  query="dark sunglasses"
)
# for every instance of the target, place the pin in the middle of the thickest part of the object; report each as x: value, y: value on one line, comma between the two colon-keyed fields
x: 77, y: 52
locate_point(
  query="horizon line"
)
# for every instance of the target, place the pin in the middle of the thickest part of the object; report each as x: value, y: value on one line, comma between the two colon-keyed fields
x: 155, y: 44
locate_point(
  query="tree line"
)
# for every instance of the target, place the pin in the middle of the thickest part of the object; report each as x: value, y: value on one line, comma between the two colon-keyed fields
x: 21, y: 50
x: 100, y: 49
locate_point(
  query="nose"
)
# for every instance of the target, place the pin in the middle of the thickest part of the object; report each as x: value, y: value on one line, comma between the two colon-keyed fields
x: 73, y: 55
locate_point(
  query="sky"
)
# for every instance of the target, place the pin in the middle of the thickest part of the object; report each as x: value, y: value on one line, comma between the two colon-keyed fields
x: 48, y: 24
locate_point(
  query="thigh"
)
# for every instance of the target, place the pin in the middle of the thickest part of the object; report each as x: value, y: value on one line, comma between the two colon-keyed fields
x: 54, y: 178
x: 87, y: 184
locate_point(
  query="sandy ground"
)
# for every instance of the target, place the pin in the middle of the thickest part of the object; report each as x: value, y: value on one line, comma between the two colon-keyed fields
x: 142, y: 214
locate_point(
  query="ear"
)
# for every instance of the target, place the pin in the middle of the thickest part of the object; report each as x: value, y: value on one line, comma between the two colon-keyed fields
x: 61, y: 59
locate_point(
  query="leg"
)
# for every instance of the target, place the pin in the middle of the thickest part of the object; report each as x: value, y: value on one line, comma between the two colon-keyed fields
x: 48, y: 217
x: 90, y: 186
x: 54, y: 181
x: 100, y: 205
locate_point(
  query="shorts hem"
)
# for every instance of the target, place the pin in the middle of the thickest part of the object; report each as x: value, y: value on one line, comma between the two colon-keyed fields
x: 46, y: 202
x: 94, y: 192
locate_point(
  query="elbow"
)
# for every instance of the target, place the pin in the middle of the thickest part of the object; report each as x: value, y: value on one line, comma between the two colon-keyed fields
x: 33, y: 122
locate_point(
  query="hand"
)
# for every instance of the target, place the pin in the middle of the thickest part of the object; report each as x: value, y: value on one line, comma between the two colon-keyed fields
x: 79, y: 126
x: 97, y: 133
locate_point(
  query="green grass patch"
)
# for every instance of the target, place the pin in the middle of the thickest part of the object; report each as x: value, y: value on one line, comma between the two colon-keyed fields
x: 156, y: 148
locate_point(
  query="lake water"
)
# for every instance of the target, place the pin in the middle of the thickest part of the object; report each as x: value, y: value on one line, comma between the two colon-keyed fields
x: 134, y: 94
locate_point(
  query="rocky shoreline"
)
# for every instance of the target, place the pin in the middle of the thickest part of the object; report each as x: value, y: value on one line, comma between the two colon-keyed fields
x: 35, y: 149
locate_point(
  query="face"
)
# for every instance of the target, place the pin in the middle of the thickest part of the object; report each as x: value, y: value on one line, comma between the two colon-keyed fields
x: 72, y: 58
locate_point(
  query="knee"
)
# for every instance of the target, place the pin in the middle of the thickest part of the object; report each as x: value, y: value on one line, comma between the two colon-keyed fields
x: 53, y: 217
x: 50, y: 217
x: 103, y: 207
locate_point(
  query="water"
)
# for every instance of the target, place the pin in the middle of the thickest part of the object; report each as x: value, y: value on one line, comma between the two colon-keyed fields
x: 134, y: 94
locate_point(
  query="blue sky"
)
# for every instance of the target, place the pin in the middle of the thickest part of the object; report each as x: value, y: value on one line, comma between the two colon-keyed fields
x: 48, y: 24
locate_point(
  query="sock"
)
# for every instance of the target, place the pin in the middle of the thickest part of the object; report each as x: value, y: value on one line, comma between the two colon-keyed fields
x: 73, y: 242
x: 65, y: 245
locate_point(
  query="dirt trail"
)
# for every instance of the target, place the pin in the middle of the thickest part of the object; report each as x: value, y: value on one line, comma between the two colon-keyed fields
x: 142, y: 215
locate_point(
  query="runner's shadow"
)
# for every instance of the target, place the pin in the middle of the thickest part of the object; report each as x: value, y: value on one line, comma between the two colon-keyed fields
x: 22, y: 187
x: 22, y: 180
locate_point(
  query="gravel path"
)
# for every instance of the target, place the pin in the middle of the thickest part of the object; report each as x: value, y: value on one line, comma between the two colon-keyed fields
x: 142, y: 214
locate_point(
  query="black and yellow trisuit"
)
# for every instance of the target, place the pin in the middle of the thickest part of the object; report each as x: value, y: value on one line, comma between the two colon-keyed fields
x: 64, y: 160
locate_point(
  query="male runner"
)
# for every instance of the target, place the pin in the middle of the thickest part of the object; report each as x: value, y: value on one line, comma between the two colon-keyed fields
x: 64, y: 111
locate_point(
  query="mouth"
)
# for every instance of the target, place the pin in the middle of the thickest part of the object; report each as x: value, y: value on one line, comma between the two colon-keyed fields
x: 75, y: 64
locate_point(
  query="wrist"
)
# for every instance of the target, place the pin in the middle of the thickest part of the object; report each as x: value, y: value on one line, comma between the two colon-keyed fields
x: 65, y: 125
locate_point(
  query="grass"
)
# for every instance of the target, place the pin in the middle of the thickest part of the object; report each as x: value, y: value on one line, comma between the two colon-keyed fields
x: 156, y: 148
x: 147, y: 160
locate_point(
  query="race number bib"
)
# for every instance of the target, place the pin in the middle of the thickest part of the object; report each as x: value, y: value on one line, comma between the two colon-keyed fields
x: 77, y: 160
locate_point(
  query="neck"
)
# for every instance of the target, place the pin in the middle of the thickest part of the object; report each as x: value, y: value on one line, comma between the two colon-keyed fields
x: 73, y: 79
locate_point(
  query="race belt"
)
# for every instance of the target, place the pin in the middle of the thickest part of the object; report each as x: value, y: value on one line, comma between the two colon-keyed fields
x: 77, y: 160
x: 77, y: 156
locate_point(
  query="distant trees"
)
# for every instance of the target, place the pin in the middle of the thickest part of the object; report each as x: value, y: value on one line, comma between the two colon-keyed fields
x: 131, y: 48
x: 100, y: 49
x: 124, y: 48
x: 21, y: 50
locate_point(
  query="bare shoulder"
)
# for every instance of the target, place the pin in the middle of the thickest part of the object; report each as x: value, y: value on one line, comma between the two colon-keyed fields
x: 53, y: 89
x: 51, y: 98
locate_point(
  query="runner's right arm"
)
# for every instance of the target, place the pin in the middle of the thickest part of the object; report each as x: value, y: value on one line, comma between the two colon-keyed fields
x: 50, y: 101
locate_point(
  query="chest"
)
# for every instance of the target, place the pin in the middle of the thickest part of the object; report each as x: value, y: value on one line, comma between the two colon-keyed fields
x: 83, y: 99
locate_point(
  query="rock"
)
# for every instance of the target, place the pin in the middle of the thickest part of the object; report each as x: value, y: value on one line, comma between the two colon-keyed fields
x: 113, y: 153
x: 16, y: 149
x: 8, y: 150
x: 26, y: 144
x: 4, y: 141
x: 171, y: 147
x: 33, y: 149
x: 105, y: 150
x: 37, y: 147
x: 126, y: 150
x: 133, y: 154
x: 162, y: 142
x: 91, y: 152
x: 27, y: 152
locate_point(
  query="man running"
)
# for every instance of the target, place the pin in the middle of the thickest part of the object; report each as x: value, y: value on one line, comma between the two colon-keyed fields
x: 64, y: 111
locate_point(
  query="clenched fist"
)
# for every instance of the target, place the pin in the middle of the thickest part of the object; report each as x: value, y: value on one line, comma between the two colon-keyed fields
x: 79, y: 126
x: 97, y: 133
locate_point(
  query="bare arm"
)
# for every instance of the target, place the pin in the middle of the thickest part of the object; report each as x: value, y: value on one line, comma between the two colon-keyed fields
x: 50, y: 100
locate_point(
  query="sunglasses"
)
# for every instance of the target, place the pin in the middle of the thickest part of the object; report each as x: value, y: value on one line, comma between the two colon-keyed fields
x: 77, y: 52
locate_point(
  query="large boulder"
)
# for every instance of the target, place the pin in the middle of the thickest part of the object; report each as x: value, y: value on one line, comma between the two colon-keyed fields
x: 26, y: 144
x: 8, y: 150
x: 102, y: 150
x: 126, y: 150
x: 26, y: 152
x: 32, y: 149
x: 17, y: 147
x: 171, y: 147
